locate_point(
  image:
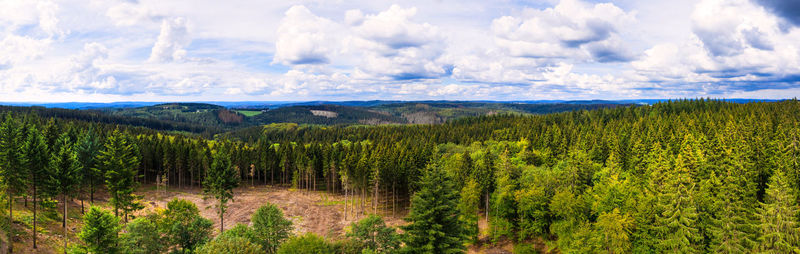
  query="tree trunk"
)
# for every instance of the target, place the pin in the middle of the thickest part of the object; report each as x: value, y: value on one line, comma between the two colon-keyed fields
x: 487, y: 206
x: 34, y: 215
x: 394, y: 199
x: 221, y: 222
x: 345, y: 204
x: 10, y: 223
x: 65, y: 223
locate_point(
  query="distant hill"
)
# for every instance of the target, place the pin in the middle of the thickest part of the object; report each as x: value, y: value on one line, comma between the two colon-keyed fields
x: 209, y: 118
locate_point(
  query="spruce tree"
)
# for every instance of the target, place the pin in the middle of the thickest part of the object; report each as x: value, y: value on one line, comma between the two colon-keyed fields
x: 119, y: 159
x: 778, y: 218
x: 37, y: 159
x: 87, y: 148
x: 219, y: 183
x: 100, y: 232
x: 677, y: 221
x: 64, y: 174
x: 434, y: 226
x: 12, y: 170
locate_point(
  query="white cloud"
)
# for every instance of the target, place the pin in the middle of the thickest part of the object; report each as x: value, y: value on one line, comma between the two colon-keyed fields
x: 304, y: 38
x: 171, y: 41
x: 571, y: 29
x: 733, y: 40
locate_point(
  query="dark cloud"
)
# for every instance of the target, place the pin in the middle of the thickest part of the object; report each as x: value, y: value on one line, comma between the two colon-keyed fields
x: 600, y: 30
x: 609, y: 55
x: 786, y: 9
x: 757, y: 39
x: 310, y: 59
x: 719, y: 43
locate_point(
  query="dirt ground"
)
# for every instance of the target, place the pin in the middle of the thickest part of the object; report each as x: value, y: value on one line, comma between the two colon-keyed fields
x: 317, y: 212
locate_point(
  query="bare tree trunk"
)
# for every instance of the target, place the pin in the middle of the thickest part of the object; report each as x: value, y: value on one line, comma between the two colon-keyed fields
x: 10, y: 223
x: 34, y: 216
x: 487, y: 205
x: 65, y: 223
x: 345, y: 204
x: 394, y: 199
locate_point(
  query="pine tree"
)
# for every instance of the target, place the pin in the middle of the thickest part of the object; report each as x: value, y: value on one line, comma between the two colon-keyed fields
x: 780, y: 232
x: 64, y: 174
x: 37, y: 159
x: 119, y: 159
x: 434, y: 226
x: 219, y: 183
x: 12, y: 170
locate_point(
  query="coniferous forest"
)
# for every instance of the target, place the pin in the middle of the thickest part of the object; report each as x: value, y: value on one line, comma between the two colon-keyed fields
x: 687, y: 176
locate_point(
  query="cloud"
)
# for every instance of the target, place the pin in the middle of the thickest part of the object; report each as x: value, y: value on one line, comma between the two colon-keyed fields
x: 303, y: 38
x: 571, y: 29
x: 172, y: 40
x: 787, y: 9
x: 734, y: 41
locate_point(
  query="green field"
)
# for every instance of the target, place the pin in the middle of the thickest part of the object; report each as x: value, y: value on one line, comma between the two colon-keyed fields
x: 249, y: 113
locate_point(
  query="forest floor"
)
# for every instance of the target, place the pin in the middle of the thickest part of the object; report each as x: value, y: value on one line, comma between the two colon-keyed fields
x: 317, y: 212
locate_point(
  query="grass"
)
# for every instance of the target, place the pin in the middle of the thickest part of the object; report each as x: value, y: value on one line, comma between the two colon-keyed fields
x: 249, y: 113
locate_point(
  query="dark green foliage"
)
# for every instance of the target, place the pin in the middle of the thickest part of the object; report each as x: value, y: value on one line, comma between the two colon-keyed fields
x: 270, y: 227
x: 119, y: 160
x: 12, y: 173
x: 434, y: 226
x: 306, y: 244
x: 100, y: 230
x: 373, y: 234
x: 183, y: 226
x: 37, y: 160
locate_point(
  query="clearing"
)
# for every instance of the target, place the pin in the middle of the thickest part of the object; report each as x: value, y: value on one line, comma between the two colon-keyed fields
x: 317, y: 212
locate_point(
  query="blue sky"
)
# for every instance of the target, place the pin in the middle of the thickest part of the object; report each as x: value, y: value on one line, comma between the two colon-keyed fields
x: 191, y: 50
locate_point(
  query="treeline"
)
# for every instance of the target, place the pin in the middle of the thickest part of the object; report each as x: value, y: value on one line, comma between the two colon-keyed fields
x: 97, y: 116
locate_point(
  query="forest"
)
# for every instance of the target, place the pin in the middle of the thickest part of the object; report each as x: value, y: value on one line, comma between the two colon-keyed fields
x: 685, y: 176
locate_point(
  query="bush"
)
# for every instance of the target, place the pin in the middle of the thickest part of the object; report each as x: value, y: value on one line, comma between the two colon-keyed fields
x: 525, y: 248
x: 373, y: 234
x: 229, y: 245
x: 306, y: 244
x: 184, y: 226
x: 270, y: 227
x: 348, y: 246
x: 143, y: 236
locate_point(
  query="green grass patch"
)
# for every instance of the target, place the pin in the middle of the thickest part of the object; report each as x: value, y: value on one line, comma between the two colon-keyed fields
x: 249, y: 113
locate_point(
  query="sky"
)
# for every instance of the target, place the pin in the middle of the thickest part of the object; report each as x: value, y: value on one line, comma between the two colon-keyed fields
x: 237, y: 50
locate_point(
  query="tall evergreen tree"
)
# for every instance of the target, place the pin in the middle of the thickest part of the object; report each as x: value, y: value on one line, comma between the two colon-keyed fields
x: 64, y: 172
x: 87, y: 148
x: 434, y: 226
x: 676, y: 222
x: 219, y: 183
x: 12, y: 170
x: 119, y: 159
x: 37, y: 159
x: 779, y: 228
